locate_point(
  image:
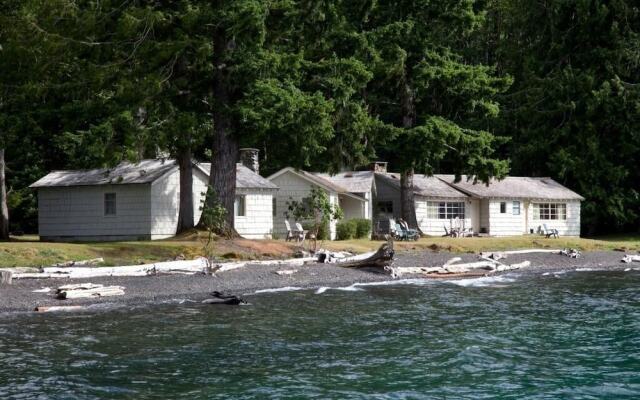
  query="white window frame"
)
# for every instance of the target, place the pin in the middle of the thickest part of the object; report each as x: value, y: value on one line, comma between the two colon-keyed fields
x: 445, y: 210
x: 550, y: 211
x: 515, y: 208
x: 110, y: 203
x: 240, y: 205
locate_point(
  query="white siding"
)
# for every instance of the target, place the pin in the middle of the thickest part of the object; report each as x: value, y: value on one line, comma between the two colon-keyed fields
x: 506, y: 224
x: 165, y: 196
x: 353, y: 208
x: 258, y: 220
x: 568, y: 227
x: 435, y: 227
x: 292, y: 186
x: 77, y: 213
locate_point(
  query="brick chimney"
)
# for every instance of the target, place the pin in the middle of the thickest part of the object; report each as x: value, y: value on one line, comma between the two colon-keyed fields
x: 249, y: 158
x: 378, y: 166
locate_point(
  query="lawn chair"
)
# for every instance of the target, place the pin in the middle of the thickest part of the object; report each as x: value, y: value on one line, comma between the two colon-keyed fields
x: 447, y: 233
x: 403, y: 233
x: 290, y: 235
x: 300, y: 232
x: 548, y: 232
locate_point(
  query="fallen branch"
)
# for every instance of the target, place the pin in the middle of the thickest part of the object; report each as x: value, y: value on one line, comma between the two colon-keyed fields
x: 93, y: 261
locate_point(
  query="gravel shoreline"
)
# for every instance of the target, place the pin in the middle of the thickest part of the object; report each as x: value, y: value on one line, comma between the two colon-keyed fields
x: 19, y: 296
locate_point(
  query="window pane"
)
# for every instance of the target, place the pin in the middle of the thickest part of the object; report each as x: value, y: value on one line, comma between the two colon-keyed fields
x: 110, y: 204
x: 503, y: 208
x: 239, y: 206
x: 516, y: 208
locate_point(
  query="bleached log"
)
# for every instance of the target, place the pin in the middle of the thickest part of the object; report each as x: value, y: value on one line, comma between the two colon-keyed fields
x: 504, y: 267
x: 453, y: 261
x: 457, y: 268
x: 58, y: 308
x: 100, y: 291
x: 79, y: 286
x: 286, y: 272
x: 39, y: 275
x: 199, y: 265
x: 6, y: 277
x: 526, y: 251
x: 630, y: 258
x: 222, y: 267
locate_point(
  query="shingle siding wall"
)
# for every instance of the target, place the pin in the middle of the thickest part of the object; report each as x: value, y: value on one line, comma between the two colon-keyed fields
x: 506, y: 224
x: 77, y: 213
x: 435, y: 227
x: 568, y: 227
x: 386, y: 192
x: 258, y: 222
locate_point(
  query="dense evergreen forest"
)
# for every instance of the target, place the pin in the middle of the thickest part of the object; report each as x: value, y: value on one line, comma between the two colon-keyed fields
x: 485, y: 88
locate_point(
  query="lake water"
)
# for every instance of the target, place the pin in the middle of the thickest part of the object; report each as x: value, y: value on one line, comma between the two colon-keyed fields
x: 559, y: 336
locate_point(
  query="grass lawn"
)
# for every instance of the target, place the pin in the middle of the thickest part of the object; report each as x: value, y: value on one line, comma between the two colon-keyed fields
x: 29, y: 252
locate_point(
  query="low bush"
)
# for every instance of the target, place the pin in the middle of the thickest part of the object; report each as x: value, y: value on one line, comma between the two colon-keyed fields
x: 346, y: 230
x: 363, y: 228
x: 324, y: 232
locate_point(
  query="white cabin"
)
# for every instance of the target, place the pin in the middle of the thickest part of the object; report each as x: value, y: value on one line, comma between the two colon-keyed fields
x: 522, y: 205
x: 140, y: 202
x: 353, y: 192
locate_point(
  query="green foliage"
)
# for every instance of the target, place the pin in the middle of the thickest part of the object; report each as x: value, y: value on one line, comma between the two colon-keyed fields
x: 346, y: 230
x: 363, y: 228
x: 316, y: 210
x: 324, y: 230
x: 213, y: 217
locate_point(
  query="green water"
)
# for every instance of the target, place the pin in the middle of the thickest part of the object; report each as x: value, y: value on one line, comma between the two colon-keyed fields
x: 570, y: 336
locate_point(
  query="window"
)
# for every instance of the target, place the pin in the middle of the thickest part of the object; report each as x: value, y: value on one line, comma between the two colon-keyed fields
x: 385, y: 207
x: 239, y: 206
x: 445, y: 210
x: 516, y: 208
x: 274, y: 206
x: 503, y: 208
x: 549, y: 211
x: 110, y: 204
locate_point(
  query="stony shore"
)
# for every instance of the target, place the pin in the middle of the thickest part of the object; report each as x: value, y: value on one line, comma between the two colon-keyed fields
x: 19, y: 297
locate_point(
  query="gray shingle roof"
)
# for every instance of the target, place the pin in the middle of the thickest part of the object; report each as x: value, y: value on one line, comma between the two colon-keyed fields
x: 145, y: 171
x: 427, y: 186
x: 352, y: 181
x: 245, y: 178
x: 514, y: 187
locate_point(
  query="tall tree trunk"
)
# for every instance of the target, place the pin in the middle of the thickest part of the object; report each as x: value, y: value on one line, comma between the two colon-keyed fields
x: 4, y: 210
x: 224, y: 152
x: 407, y: 204
x: 185, y: 214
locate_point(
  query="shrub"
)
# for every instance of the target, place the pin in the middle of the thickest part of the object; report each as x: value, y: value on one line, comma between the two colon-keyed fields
x: 363, y: 228
x: 346, y: 230
x: 324, y: 232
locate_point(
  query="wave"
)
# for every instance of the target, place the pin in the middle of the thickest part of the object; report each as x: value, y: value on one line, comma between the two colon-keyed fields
x: 484, y: 281
x: 282, y: 289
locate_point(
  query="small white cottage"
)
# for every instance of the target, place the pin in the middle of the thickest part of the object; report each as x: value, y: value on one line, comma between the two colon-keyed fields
x: 521, y: 205
x: 352, y: 191
x: 140, y: 202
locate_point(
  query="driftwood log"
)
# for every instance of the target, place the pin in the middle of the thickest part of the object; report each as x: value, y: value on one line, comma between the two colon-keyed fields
x: 382, y: 258
x: 88, y: 290
x: 58, y: 308
x: 630, y: 258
